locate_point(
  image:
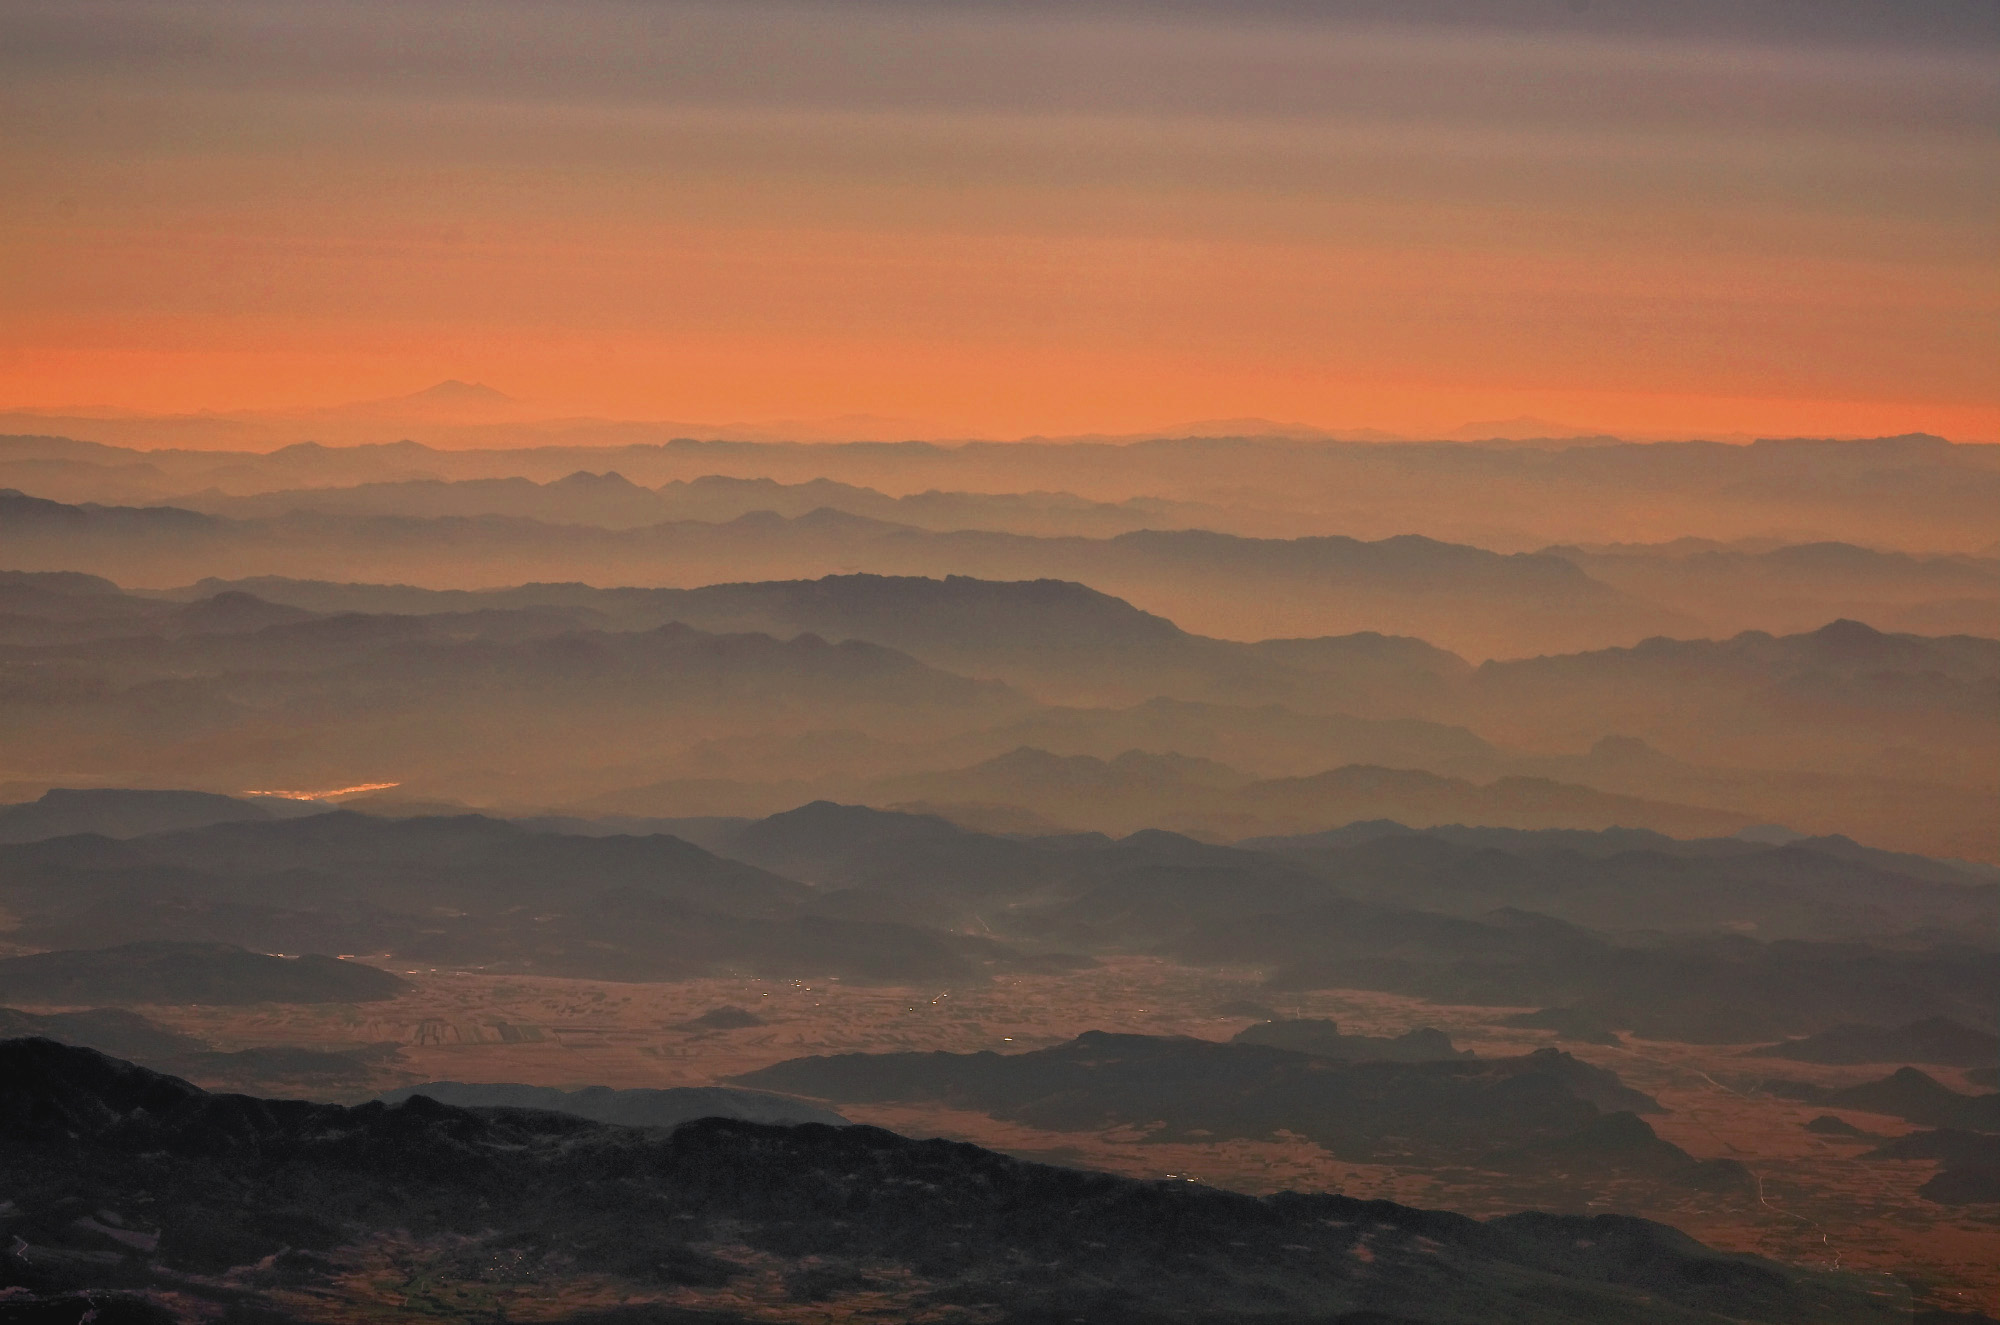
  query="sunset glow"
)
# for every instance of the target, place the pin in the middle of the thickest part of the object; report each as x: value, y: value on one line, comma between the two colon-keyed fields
x: 997, y: 221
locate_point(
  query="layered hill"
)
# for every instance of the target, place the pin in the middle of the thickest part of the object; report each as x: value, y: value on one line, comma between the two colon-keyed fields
x: 1913, y: 492
x: 851, y: 686
x: 1137, y: 790
x: 1456, y: 940
x: 1464, y: 597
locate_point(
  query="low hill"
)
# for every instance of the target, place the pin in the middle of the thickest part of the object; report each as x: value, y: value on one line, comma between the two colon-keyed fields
x: 170, y: 972
x: 1370, y: 1111
x: 1321, y: 1038
x: 1138, y: 789
x: 1908, y: 1094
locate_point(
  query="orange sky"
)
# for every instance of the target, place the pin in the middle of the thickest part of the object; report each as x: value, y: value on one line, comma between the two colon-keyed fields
x: 998, y: 220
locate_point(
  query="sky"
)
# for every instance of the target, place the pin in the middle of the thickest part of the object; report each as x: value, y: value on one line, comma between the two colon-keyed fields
x: 1002, y: 219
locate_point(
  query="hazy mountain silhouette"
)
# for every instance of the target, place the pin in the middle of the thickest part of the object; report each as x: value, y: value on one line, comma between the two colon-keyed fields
x: 1728, y: 697
x: 1913, y: 492
x: 1138, y: 789
x: 1225, y: 584
x: 1798, y: 587
x: 186, y: 1181
x: 615, y: 502
x: 120, y: 685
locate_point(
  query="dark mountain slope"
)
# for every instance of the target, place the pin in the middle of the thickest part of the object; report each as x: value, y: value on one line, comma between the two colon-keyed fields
x: 186, y: 1181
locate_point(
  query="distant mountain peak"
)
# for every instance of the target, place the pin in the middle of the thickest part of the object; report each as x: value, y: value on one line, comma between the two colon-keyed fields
x: 452, y: 391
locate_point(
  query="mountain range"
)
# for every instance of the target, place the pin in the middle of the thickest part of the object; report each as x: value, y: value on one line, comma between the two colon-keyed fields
x: 746, y: 699
x: 1912, y: 493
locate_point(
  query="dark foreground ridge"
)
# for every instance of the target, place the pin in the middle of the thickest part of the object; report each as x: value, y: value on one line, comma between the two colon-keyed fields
x: 123, y: 1180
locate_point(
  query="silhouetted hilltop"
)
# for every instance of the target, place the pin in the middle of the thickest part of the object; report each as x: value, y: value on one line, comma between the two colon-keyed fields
x: 175, y: 972
x: 112, y: 812
x: 1933, y: 1040
x: 627, y: 1108
x: 1174, y: 1088
x: 1322, y: 1039
x: 186, y: 1181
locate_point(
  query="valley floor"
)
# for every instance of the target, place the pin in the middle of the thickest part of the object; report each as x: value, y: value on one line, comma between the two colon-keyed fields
x: 1816, y: 1204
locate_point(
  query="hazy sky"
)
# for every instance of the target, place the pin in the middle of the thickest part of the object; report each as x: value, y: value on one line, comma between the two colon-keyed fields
x: 1005, y: 218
